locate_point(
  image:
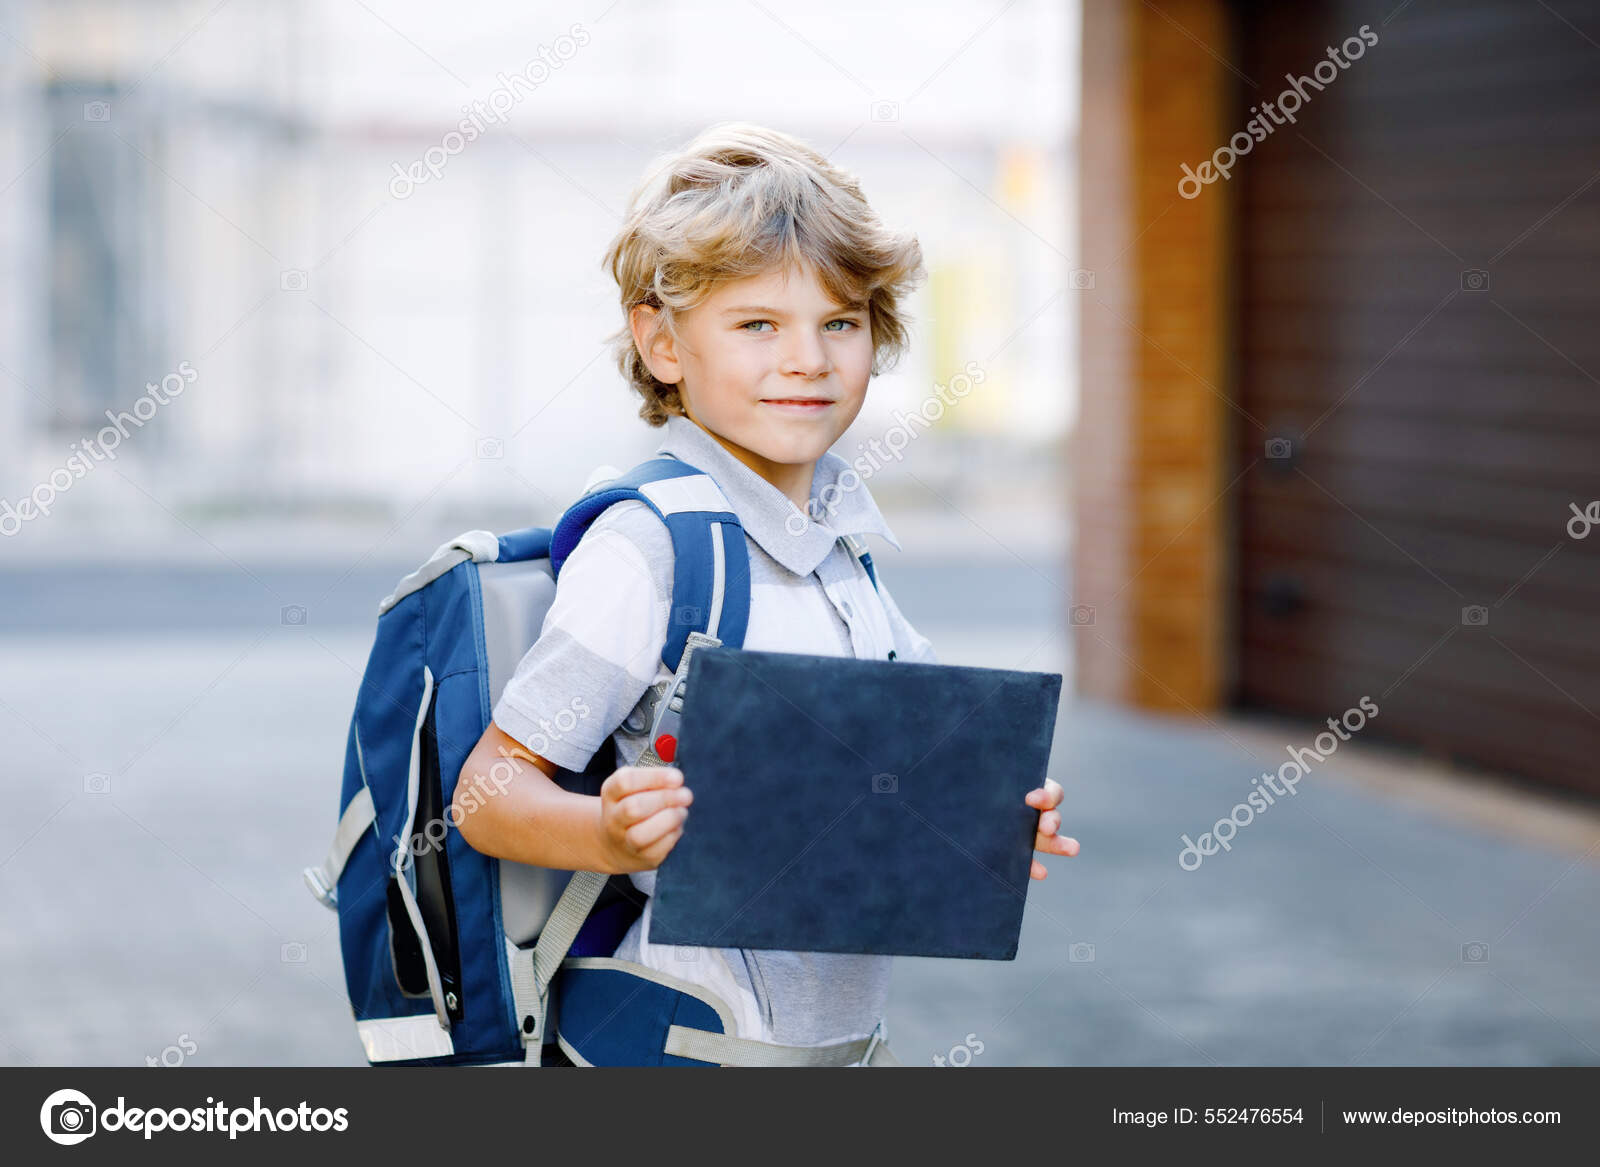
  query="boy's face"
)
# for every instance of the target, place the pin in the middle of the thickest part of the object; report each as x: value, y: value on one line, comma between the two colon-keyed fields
x: 752, y: 351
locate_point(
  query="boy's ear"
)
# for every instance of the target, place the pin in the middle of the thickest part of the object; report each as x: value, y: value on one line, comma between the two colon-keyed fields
x: 655, y: 344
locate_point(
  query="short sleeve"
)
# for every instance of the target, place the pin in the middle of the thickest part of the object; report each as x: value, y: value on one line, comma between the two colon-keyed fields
x: 908, y: 642
x: 600, y: 645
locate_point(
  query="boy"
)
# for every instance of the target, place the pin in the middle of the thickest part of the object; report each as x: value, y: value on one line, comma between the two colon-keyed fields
x: 761, y: 293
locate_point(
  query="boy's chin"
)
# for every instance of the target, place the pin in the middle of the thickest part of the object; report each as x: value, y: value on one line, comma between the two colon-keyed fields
x: 804, y: 443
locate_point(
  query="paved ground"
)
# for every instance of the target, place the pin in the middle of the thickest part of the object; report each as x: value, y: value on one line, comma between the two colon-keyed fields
x: 155, y: 914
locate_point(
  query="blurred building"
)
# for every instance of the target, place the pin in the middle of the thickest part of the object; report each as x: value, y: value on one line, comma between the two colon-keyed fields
x: 222, y: 186
x: 1340, y: 427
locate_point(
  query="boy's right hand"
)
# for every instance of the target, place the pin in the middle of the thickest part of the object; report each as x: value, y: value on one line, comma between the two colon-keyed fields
x: 642, y: 811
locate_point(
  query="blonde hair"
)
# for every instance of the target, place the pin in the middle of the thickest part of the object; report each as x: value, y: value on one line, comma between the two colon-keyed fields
x: 740, y: 200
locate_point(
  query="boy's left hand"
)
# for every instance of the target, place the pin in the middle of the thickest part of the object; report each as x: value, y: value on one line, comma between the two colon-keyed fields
x: 1047, y: 798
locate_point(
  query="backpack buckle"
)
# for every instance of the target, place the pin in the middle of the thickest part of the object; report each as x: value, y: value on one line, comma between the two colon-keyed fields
x: 327, y: 896
x: 669, y: 704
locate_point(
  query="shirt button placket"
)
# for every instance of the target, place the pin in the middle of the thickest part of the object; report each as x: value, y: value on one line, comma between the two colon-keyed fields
x: 848, y: 578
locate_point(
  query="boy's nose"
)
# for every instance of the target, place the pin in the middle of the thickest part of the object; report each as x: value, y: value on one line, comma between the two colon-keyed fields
x: 807, y: 357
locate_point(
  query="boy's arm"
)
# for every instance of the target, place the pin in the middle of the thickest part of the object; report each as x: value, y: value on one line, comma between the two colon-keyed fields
x: 508, y: 805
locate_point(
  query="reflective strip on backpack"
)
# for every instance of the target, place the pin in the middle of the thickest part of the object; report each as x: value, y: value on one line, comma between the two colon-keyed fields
x: 692, y: 492
x: 723, y: 1050
x: 606, y: 984
x: 393, y: 1039
x: 402, y: 865
x: 719, y: 579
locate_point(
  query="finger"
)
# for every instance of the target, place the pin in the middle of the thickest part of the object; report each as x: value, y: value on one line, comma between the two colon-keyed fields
x: 1038, y: 870
x: 641, y: 835
x: 659, y: 850
x: 1046, y: 796
x: 1049, y: 822
x: 1056, y: 845
x: 635, y: 808
x: 632, y: 779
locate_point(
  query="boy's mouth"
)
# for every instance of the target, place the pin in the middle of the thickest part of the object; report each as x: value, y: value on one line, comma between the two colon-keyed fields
x: 799, y: 404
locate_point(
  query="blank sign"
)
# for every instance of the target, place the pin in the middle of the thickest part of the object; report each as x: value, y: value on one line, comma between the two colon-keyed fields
x: 845, y: 805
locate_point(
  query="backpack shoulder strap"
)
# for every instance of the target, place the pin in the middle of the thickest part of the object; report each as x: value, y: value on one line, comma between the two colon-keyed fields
x: 711, y: 579
x: 857, y: 546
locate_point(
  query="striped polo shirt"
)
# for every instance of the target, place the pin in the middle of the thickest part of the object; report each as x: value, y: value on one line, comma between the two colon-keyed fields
x: 599, y: 654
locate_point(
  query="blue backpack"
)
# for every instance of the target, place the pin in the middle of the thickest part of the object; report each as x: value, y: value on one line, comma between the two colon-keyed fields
x: 453, y: 957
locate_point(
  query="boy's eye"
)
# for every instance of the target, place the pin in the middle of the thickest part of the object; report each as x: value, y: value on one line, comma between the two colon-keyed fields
x: 749, y: 325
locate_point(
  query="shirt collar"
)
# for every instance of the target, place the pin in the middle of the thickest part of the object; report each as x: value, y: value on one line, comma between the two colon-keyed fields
x: 796, y: 539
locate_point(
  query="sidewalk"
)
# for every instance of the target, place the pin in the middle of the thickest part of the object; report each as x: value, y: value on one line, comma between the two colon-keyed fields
x: 1390, y: 913
x: 1332, y: 932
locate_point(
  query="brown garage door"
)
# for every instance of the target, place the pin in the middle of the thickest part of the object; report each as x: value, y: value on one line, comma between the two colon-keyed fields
x: 1419, y: 330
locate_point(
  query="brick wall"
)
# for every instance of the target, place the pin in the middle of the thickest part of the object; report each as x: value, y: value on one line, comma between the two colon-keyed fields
x: 1149, y: 452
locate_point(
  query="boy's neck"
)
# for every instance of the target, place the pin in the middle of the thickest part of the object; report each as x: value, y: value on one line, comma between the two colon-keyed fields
x: 793, y: 479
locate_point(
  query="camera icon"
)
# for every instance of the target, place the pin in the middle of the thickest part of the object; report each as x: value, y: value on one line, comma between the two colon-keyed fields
x: 71, y: 1121
x: 1081, y: 953
x: 97, y: 111
x: 293, y: 280
x: 490, y: 448
x: 886, y: 111
x: 293, y: 952
x: 688, y: 614
x: 686, y: 952
x: 1474, y: 279
x: 1082, y: 615
x: 1081, y: 279
x: 97, y: 783
x: 1475, y: 952
x: 1280, y: 449
x: 885, y: 784
x: 1475, y: 616
x: 292, y: 616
